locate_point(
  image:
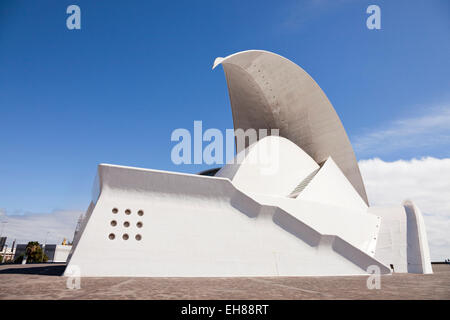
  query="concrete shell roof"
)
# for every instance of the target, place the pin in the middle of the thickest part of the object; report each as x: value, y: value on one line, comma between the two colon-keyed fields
x: 268, y: 91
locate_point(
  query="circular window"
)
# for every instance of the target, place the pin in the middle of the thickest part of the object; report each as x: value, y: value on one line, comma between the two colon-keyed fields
x: 141, y: 213
x: 139, y: 224
x: 128, y: 211
x: 112, y: 236
x: 138, y: 237
x: 114, y: 223
x: 126, y: 224
x: 115, y: 210
x: 125, y: 236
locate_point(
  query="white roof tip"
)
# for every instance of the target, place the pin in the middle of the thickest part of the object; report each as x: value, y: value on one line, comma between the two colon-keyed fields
x: 217, y: 62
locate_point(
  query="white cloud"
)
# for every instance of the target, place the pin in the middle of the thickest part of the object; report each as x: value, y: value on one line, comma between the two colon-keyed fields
x: 34, y: 226
x: 423, y: 132
x: 426, y: 181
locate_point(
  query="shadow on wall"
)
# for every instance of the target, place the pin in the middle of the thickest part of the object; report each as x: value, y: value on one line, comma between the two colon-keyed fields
x: 50, y: 270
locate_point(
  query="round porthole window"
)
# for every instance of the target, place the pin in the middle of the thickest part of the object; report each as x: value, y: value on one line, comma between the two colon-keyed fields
x: 141, y: 213
x: 125, y: 236
x: 128, y: 211
x: 114, y: 223
x: 139, y: 224
x: 115, y: 210
x: 112, y: 236
x: 126, y: 224
x: 138, y: 237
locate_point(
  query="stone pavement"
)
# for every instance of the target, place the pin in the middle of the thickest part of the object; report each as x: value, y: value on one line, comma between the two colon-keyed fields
x: 43, y: 281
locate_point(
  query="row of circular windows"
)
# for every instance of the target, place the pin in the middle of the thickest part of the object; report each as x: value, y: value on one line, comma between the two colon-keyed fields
x: 128, y: 212
x: 125, y: 236
x: 126, y: 224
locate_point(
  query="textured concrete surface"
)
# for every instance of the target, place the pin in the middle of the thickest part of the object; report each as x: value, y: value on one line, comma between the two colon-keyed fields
x: 43, y: 282
x: 270, y: 91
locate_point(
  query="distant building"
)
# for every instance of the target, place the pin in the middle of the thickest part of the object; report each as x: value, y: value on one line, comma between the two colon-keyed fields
x: 2, y: 243
x: 7, y: 254
x: 54, y: 252
x: 57, y: 252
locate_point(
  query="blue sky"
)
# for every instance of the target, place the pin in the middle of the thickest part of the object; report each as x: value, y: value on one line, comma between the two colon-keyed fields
x: 114, y: 91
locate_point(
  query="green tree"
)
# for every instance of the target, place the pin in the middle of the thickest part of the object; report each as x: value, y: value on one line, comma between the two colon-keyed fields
x: 34, y: 253
x: 19, y: 258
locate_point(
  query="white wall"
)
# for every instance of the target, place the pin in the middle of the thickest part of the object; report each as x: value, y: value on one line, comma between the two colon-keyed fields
x: 418, y: 251
x: 61, y: 253
x: 201, y: 226
x: 330, y: 186
x: 402, y: 240
x: 355, y: 226
x: 273, y: 166
x: 392, y: 243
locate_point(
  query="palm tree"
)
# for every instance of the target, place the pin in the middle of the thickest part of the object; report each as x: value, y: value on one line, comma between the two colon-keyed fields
x: 34, y: 252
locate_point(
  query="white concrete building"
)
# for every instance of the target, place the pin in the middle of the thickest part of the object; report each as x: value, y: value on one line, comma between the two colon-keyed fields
x: 294, y: 206
x: 7, y: 254
x: 58, y: 252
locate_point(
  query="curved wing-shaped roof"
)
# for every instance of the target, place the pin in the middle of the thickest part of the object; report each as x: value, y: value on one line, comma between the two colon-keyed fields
x: 268, y: 91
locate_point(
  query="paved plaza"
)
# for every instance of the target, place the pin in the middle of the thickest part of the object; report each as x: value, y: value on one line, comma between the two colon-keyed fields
x: 43, y: 281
